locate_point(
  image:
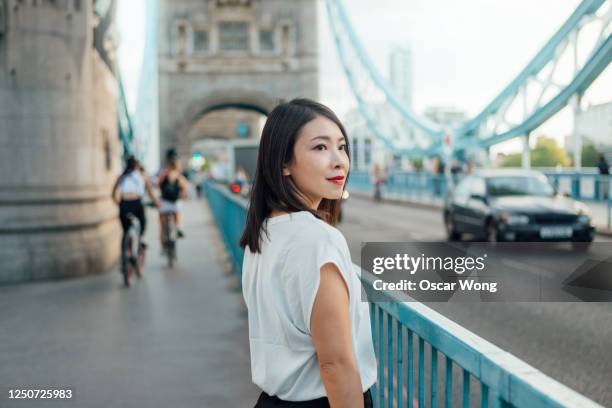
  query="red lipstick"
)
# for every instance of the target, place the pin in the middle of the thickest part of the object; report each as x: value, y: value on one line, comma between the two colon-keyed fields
x: 339, y: 180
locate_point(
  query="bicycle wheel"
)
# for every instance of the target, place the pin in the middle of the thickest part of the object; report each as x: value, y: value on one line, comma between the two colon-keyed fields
x: 140, y: 261
x: 172, y: 236
x: 130, y: 264
x: 125, y: 261
x: 171, y: 253
x: 135, y: 265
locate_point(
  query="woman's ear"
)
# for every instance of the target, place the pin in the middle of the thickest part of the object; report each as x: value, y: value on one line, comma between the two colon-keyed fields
x: 286, y: 171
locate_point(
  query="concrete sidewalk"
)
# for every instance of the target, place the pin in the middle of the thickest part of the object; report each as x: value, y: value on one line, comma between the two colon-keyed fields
x: 177, y: 338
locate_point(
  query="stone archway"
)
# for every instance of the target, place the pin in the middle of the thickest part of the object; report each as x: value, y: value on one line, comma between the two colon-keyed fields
x: 181, y: 138
x: 246, y: 54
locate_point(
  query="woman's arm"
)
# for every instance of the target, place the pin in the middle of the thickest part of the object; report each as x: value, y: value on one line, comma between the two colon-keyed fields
x: 150, y: 191
x: 330, y: 328
x: 182, y: 186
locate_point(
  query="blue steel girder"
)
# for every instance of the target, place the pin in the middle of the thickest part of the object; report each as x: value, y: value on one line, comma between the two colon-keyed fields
x: 491, y: 126
x: 348, y: 44
x: 105, y: 10
x: 540, y: 70
x: 579, y: 84
x: 126, y: 134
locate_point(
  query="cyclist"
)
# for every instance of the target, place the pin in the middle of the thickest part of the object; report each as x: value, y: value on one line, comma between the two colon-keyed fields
x: 128, y: 191
x: 173, y: 186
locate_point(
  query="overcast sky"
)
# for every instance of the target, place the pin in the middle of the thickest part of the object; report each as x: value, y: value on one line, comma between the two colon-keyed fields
x: 464, y: 51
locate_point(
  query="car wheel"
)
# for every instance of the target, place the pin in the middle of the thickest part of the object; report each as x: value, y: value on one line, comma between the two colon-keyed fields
x: 451, y: 233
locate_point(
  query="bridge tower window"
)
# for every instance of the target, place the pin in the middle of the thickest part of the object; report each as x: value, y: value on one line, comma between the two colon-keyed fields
x: 233, y: 36
x: 201, y: 41
x: 266, y: 41
x: 181, y: 40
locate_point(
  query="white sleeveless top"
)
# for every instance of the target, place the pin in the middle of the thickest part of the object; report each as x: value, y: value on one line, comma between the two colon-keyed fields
x: 133, y: 182
x: 279, y: 287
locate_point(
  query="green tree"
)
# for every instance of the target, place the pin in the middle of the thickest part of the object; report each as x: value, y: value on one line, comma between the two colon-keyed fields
x: 590, y: 155
x: 417, y: 163
x: 546, y: 153
x: 512, y: 160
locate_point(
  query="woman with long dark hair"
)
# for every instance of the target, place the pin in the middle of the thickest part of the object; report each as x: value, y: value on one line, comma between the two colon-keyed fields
x: 309, y: 332
x: 129, y: 190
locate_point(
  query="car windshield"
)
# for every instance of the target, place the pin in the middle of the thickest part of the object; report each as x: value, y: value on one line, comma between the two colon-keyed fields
x: 519, y: 185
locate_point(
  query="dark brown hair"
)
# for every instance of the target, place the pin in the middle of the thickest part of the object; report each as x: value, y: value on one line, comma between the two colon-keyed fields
x: 273, y: 191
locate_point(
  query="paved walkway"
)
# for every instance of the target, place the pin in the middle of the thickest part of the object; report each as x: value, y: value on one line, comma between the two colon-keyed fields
x: 177, y: 338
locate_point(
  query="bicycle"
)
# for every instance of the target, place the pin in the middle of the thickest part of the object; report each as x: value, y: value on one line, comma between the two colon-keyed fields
x: 169, y: 238
x: 132, y: 251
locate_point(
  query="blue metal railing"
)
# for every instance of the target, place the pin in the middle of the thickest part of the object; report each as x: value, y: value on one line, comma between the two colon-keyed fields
x: 425, y: 187
x: 230, y: 215
x: 581, y: 186
x: 419, y: 185
x: 423, y: 357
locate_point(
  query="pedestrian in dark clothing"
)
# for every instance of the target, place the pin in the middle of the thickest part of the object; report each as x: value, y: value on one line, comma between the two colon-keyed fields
x: 604, y: 171
x: 603, y: 166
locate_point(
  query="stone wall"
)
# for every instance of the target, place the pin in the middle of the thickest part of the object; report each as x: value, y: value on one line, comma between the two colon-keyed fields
x: 59, y: 153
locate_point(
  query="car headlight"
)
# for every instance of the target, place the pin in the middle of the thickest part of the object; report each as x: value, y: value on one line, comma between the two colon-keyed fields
x: 514, y: 219
x: 583, y: 212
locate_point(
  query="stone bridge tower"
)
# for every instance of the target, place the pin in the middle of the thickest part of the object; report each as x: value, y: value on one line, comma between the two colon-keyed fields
x: 59, y: 150
x: 218, y: 54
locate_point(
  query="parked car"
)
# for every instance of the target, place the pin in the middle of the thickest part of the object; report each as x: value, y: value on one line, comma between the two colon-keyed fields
x: 515, y: 205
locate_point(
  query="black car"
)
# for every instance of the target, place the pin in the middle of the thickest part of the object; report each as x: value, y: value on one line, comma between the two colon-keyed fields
x: 514, y: 205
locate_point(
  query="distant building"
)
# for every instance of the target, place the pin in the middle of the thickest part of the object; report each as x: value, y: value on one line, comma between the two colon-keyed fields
x: 445, y: 115
x: 594, y: 125
x: 401, y: 73
x: 367, y: 148
x: 361, y: 140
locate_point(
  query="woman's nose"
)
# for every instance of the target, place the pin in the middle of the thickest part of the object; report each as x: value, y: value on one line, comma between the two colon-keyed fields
x: 339, y: 159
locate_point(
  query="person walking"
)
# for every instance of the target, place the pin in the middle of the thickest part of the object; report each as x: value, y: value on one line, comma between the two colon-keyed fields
x: 309, y: 332
x: 378, y: 179
x: 604, y: 175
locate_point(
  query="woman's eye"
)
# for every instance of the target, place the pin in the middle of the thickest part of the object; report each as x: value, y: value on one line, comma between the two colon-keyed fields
x: 343, y: 147
x: 320, y: 147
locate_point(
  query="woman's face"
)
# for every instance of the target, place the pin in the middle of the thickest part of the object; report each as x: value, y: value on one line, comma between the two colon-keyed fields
x: 320, y: 163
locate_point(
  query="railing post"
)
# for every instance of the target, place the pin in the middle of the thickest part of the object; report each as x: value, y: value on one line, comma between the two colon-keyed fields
x: 421, y: 372
x: 389, y: 361
x: 448, y: 386
x: 576, y: 186
x: 410, y: 368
